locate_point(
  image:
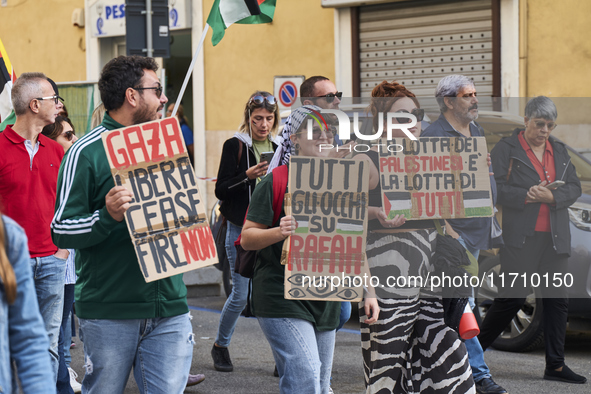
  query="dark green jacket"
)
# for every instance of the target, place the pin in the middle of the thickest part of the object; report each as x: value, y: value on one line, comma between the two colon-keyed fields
x: 110, y: 284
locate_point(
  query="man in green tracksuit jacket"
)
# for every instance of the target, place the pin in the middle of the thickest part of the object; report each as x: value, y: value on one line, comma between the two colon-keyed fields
x: 124, y: 321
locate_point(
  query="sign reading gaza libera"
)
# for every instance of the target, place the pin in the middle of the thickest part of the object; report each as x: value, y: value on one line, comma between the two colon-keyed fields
x: 166, y: 218
x: 436, y: 177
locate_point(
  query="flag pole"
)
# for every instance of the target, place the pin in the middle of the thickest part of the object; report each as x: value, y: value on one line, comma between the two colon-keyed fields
x: 186, y: 81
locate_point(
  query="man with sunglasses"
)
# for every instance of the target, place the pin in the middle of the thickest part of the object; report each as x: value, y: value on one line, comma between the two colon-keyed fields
x: 458, y: 102
x: 125, y: 322
x: 29, y: 166
x: 320, y: 91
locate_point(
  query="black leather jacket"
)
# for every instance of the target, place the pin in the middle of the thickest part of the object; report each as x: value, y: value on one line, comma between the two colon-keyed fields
x: 232, y: 183
x: 519, y: 218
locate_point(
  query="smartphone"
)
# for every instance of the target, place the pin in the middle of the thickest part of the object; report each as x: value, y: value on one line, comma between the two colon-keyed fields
x: 555, y: 184
x: 266, y: 156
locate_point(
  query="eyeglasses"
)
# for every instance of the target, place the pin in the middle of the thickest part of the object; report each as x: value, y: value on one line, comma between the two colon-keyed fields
x: 317, y: 133
x: 259, y: 100
x: 419, y: 113
x: 330, y: 96
x: 68, y: 134
x: 540, y: 124
x: 157, y: 89
x: 56, y: 98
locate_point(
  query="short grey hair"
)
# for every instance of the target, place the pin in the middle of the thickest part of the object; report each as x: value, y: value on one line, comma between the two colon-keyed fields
x: 26, y: 88
x: 541, y: 107
x: 449, y: 86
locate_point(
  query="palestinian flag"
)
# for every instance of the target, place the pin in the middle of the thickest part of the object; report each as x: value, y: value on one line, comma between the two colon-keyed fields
x: 303, y: 223
x: 397, y: 203
x: 349, y: 226
x: 477, y: 203
x: 248, y: 12
x: 7, y: 78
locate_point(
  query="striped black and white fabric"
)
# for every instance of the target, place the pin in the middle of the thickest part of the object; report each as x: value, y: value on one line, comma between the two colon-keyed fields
x: 410, y: 349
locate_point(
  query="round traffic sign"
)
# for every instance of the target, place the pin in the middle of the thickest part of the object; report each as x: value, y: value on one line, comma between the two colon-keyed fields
x: 288, y: 93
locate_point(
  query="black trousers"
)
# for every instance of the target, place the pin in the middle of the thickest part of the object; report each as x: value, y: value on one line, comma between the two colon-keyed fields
x: 536, y: 258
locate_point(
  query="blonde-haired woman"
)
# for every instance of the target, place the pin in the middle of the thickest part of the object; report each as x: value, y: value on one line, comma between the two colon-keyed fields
x: 23, y: 337
x: 240, y: 171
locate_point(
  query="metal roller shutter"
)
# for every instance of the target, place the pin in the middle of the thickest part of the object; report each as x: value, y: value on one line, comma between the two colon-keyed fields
x: 417, y: 43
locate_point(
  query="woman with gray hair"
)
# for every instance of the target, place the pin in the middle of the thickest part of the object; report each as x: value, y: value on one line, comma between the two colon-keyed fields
x: 536, y: 184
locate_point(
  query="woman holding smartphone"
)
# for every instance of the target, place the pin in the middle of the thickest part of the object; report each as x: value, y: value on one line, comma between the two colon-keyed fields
x: 241, y: 169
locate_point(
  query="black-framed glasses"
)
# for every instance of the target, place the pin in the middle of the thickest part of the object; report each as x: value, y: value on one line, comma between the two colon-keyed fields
x: 330, y: 96
x: 157, y: 89
x: 419, y: 113
x: 56, y: 98
x: 260, y: 99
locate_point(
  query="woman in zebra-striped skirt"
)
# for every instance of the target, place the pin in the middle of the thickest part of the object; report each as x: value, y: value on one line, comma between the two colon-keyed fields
x: 409, y: 349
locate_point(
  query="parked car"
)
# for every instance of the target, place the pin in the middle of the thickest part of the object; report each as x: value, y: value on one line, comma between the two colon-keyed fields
x: 526, y: 330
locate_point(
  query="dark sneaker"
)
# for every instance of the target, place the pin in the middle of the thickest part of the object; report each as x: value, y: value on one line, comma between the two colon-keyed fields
x: 221, y: 359
x: 566, y: 375
x: 488, y: 386
x: 195, y: 379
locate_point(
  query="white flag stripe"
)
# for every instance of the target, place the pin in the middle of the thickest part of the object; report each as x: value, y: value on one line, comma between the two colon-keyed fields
x: 302, y: 223
x: 398, y: 205
x: 349, y: 227
x: 233, y: 11
x: 477, y: 203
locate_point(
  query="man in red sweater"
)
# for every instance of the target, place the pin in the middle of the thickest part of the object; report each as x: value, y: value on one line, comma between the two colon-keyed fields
x: 29, y: 166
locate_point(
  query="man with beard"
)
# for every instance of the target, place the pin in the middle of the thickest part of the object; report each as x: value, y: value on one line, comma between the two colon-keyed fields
x: 456, y: 96
x: 124, y: 321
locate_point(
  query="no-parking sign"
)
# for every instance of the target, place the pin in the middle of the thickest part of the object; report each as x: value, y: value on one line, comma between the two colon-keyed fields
x: 286, y: 89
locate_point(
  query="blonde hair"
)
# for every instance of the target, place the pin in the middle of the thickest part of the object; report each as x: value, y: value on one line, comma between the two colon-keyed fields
x: 97, y: 116
x: 6, y: 272
x: 251, y: 106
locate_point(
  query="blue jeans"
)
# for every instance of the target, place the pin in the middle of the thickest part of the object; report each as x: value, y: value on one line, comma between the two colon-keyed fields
x: 237, y: 300
x: 65, y: 339
x: 345, y: 314
x: 49, y: 273
x: 303, y: 355
x: 475, y: 353
x: 159, y: 350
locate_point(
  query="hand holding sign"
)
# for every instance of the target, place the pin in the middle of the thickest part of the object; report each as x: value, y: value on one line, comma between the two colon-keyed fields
x: 288, y: 226
x: 117, y: 202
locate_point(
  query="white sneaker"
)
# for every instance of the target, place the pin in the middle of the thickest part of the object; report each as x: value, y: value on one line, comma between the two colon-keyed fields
x: 77, y: 387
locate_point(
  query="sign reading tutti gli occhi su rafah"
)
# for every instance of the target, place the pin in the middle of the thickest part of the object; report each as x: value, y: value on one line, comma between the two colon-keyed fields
x: 166, y: 218
x: 325, y: 258
x: 435, y: 177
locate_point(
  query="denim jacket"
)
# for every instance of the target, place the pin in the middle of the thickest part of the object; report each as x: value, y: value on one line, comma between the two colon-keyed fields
x: 22, y: 333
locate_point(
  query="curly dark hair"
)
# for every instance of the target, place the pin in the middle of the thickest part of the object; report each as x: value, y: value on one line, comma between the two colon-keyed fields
x: 384, y: 95
x: 119, y: 74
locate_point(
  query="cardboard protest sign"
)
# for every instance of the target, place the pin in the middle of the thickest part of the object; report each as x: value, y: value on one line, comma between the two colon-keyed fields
x: 166, y: 219
x: 435, y: 177
x: 329, y: 201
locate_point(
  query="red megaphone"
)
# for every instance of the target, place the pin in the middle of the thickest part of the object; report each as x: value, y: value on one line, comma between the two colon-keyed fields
x: 468, y: 325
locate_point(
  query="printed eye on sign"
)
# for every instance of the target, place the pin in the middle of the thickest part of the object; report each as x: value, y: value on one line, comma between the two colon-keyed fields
x: 166, y: 219
x: 326, y: 255
x: 435, y: 177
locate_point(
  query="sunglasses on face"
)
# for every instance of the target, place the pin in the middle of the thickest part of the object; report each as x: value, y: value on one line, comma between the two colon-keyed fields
x: 259, y: 100
x: 330, y: 96
x: 68, y: 134
x: 56, y: 98
x: 419, y: 113
x: 157, y: 89
x: 540, y: 124
x: 317, y: 133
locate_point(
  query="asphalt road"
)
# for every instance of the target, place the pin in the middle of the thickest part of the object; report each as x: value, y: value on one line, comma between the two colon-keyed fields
x: 253, y: 362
